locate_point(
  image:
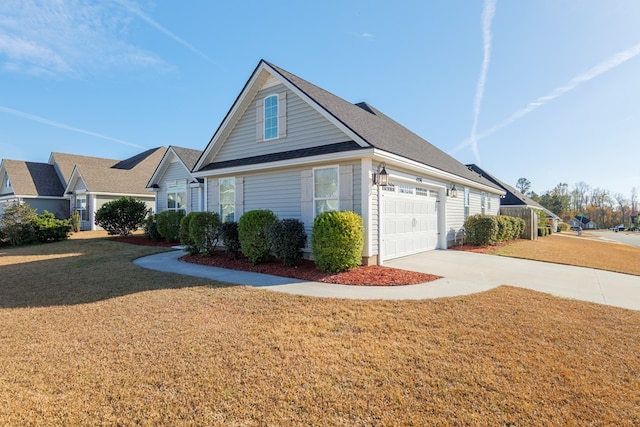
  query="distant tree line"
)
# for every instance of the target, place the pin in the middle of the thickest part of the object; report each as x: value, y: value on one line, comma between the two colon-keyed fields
x: 600, y: 205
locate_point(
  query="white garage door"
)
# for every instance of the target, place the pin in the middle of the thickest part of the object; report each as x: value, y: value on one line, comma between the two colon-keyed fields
x: 409, y: 220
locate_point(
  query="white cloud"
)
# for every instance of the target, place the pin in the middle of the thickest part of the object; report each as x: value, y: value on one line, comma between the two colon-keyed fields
x: 601, y: 68
x: 488, y: 12
x: 68, y: 38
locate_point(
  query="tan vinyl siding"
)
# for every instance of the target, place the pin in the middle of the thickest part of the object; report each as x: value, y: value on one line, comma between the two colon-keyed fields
x: 305, y: 128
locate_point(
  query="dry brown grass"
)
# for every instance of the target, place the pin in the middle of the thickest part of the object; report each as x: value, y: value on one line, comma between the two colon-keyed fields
x: 584, y: 252
x: 140, y: 347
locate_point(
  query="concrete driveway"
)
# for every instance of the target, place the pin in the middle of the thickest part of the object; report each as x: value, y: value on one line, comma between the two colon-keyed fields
x: 467, y: 272
x: 463, y: 273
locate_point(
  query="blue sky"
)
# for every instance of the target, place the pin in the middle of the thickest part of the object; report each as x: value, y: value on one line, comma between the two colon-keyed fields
x: 543, y: 89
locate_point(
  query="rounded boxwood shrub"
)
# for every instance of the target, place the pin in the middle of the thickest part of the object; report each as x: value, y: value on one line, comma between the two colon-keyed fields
x: 185, y: 237
x: 204, y: 232
x: 505, y: 228
x: 337, y: 241
x: 287, y: 238
x: 48, y: 228
x: 168, y: 225
x: 253, y: 227
x: 481, y: 230
x: 229, y: 236
x: 121, y: 216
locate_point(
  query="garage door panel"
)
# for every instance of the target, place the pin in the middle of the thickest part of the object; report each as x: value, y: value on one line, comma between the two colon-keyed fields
x: 410, y: 224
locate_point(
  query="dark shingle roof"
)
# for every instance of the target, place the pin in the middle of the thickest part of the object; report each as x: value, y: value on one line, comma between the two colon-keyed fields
x: 380, y: 131
x: 33, y: 179
x: 188, y: 156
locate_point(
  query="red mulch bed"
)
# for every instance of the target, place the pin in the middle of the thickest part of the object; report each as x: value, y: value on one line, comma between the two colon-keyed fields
x: 371, y: 275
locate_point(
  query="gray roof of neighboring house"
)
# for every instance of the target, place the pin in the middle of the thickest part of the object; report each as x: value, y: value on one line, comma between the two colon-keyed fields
x: 189, y: 156
x: 380, y: 131
x: 513, y: 196
x: 33, y: 179
x: 128, y: 176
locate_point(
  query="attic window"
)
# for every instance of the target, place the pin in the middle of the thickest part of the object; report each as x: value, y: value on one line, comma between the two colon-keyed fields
x: 7, y: 181
x: 271, y: 117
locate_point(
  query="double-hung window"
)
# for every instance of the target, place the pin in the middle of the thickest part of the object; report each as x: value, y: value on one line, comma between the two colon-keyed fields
x: 81, y: 207
x: 483, y: 203
x: 325, y: 189
x: 466, y: 203
x: 176, y: 197
x: 227, y: 199
x: 271, y: 117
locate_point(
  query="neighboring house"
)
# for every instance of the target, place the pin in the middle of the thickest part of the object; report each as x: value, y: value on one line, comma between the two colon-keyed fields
x: 174, y: 185
x: 36, y: 184
x: 583, y: 222
x: 514, y: 198
x: 95, y: 181
x: 298, y: 150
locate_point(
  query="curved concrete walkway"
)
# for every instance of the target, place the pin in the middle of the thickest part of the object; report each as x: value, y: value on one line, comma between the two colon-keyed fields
x: 463, y: 273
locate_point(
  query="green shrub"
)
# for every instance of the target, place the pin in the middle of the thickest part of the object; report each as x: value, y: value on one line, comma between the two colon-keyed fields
x: 17, y: 224
x: 168, y: 224
x: 481, y: 230
x: 542, y: 231
x: 150, y: 227
x: 48, y: 228
x: 505, y: 228
x: 252, y: 233
x: 230, y: 239
x: 337, y: 241
x: 204, y: 232
x: 518, y: 227
x: 121, y: 216
x: 75, y: 221
x: 185, y: 237
x: 563, y: 226
x: 287, y: 238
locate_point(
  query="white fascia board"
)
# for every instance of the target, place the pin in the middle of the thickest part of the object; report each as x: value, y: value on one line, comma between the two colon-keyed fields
x: 98, y: 193
x: 431, y: 171
x: 161, y: 168
x: 303, y: 161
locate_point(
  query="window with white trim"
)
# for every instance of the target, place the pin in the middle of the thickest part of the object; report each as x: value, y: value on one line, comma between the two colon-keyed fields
x: 81, y: 207
x: 7, y: 181
x: 325, y: 189
x: 483, y: 203
x: 271, y: 117
x: 176, y: 197
x: 227, y: 188
x: 466, y: 203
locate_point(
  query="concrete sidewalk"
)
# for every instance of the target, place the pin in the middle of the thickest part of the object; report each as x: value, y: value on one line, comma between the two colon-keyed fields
x: 463, y: 273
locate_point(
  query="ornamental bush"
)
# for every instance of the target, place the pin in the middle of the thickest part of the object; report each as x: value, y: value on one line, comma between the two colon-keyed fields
x: 75, y: 221
x: 481, y: 230
x: 121, y: 216
x: 253, y: 227
x: 150, y: 227
x: 505, y: 228
x: 185, y: 237
x: 337, y: 241
x: 17, y: 224
x: 229, y: 236
x: 168, y: 224
x: 204, y: 232
x: 563, y: 226
x: 287, y: 238
x: 48, y: 228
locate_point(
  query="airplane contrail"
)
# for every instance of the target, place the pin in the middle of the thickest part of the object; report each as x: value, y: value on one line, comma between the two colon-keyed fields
x: 42, y: 120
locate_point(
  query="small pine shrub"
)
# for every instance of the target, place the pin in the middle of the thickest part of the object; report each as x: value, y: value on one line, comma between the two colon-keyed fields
x: 75, y: 221
x: 204, y: 232
x: 252, y: 233
x: 337, y: 241
x: 121, y: 216
x: 230, y: 239
x: 17, y: 224
x: 287, y: 238
x: 168, y: 224
x: 481, y: 230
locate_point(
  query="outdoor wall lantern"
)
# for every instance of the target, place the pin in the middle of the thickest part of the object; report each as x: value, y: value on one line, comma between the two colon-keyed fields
x: 381, y: 178
x: 452, y: 191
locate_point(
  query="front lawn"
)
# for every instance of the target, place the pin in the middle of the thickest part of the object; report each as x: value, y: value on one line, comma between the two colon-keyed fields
x: 87, y: 338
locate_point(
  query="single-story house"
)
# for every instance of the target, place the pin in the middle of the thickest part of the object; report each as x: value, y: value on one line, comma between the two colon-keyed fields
x: 298, y: 150
x: 95, y: 181
x: 514, y: 198
x: 174, y: 185
x: 36, y: 184
x: 583, y: 222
